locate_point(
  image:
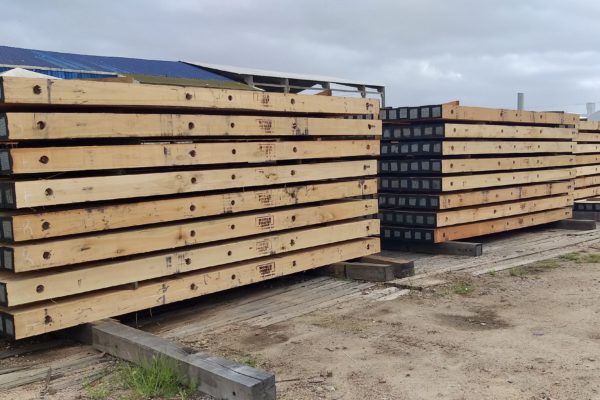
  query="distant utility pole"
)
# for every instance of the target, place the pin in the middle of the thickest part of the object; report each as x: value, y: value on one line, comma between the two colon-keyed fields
x: 520, y: 101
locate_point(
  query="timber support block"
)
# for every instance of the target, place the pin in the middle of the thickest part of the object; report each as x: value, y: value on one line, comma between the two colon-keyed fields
x: 374, y: 268
x: 369, y: 272
x: 454, y: 248
x: 212, y: 375
x: 575, y: 224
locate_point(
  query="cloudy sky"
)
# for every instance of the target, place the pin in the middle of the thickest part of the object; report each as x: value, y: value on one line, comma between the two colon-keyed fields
x: 424, y: 51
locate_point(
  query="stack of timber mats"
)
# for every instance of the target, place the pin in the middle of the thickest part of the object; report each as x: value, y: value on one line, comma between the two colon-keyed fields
x: 118, y: 197
x: 451, y: 172
x: 587, y: 181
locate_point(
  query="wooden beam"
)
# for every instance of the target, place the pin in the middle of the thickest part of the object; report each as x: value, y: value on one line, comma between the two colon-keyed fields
x: 17, y: 227
x: 22, y: 194
x: 587, y: 137
x: 462, y: 216
x: 500, y: 225
x: 218, y: 377
x: 73, y: 92
x: 465, y: 199
x: 440, y: 130
x: 583, y: 193
x: 477, y: 181
x: 17, y: 289
x: 430, y: 166
x: 505, y: 179
x: 584, y: 181
x: 481, y: 131
x: 41, y: 125
x: 48, y: 316
x: 30, y: 256
x: 588, y: 125
x: 470, y: 148
x: 587, y: 170
x: 444, y: 201
x: 499, y: 147
x: 586, y: 159
x: 586, y: 148
x: 438, y: 219
x: 454, y: 111
x: 155, y: 155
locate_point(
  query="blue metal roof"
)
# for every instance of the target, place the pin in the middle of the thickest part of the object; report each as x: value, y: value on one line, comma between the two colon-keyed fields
x: 67, y: 65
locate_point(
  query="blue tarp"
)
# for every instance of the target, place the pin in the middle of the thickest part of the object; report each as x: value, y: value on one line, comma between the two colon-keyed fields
x: 11, y: 57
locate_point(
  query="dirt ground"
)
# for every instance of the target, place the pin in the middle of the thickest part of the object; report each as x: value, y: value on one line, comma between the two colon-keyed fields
x: 527, y: 333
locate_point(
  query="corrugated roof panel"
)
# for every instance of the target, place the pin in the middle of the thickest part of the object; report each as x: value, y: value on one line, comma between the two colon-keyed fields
x: 13, y: 56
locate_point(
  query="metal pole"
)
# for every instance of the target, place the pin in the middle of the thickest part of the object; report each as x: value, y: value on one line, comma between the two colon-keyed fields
x: 520, y: 101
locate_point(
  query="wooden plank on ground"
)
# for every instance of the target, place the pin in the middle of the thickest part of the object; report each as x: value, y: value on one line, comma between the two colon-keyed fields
x: 41, y: 125
x: 38, y: 318
x: 500, y: 225
x: 216, y: 376
x: 73, y: 92
x: 22, y: 194
x: 17, y: 289
x: 154, y: 155
x: 31, y: 256
x: 18, y: 227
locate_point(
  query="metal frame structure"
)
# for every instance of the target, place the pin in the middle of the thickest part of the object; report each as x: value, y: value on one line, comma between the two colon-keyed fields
x: 275, y: 81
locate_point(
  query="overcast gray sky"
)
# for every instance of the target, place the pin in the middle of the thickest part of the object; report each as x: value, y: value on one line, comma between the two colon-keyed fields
x: 424, y: 51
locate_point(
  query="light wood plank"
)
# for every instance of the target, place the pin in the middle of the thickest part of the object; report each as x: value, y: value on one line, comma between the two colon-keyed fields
x: 484, y: 196
x: 27, y: 288
x: 507, y: 163
x: 505, y: 179
x: 31, y: 320
x: 584, y: 181
x: 585, y: 192
x: 20, y: 227
x: 587, y: 170
x: 156, y: 155
x: 76, y: 190
x: 463, y: 216
x: 587, y: 137
x: 455, y: 111
x: 73, y: 92
x: 589, y: 125
x: 586, y: 159
x: 73, y: 250
x: 502, y: 147
x: 500, y: 225
x: 485, y: 131
x: 41, y: 125
x: 586, y: 148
